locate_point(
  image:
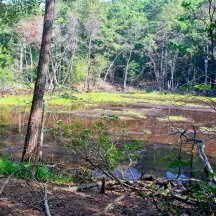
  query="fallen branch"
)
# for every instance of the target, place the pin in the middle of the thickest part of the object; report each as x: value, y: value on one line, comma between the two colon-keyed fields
x: 185, y: 200
x: 9, y: 177
x: 47, y: 211
x: 112, y: 204
x: 206, y: 164
x: 85, y: 187
x: 15, y: 172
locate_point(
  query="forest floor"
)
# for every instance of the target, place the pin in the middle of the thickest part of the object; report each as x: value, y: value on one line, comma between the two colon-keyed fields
x: 26, y: 198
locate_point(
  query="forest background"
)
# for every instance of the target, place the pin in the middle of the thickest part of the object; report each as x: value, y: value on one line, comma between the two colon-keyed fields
x: 152, y: 45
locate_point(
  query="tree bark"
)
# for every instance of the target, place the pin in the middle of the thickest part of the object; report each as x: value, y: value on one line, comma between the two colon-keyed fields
x: 111, y: 65
x: 87, y: 82
x: 126, y: 70
x: 21, y: 60
x: 30, y: 150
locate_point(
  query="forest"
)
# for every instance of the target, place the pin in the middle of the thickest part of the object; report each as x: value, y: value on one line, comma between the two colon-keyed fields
x: 107, y: 107
x: 153, y: 45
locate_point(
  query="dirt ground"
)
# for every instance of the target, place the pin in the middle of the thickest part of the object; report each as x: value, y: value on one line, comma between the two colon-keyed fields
x: 26, y: 198
x: 22, y: 198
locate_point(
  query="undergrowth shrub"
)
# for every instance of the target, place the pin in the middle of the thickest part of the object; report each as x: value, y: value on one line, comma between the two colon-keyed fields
x: 43, y: 173
x: 100, y: 146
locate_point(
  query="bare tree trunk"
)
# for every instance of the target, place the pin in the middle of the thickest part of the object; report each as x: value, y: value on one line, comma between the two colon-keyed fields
x: 55, y: 69
x: 205, y: 58
x: 89, y: 64
x: 206, y: 69
x: 21, y: 60
x: 30, y: 150
x: 111, y: 65
x: 61, y: 66
x: 31, y: 62
x: 165, y: 80
x: 161, y: 70
x: 70, y: 71
x: 126, y: 70
x: 41, y: 143
x: 172, y: 71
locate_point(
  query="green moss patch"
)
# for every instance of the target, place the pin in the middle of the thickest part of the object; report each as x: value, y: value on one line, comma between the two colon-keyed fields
x: 173, y: 118
x: 208, y: 130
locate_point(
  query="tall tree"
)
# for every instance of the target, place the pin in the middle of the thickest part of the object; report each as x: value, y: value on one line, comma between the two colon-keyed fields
x: 30, y: 151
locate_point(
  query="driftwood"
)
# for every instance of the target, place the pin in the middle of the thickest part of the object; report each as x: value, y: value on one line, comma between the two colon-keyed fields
x: 201, y: 153
x: 207, y: 166
x: 46, y: 206
x: 112, y: 204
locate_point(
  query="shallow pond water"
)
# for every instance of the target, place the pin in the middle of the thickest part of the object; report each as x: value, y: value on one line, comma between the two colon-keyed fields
x: 158, y: 139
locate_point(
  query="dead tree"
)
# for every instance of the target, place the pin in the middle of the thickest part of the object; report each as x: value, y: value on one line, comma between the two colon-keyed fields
x: 91, y: 28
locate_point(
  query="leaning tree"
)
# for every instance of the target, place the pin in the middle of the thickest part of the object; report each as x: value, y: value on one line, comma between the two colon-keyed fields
x: 31, y: 149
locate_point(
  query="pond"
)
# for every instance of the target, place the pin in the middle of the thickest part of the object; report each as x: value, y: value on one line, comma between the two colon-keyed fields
x: 153, y: 125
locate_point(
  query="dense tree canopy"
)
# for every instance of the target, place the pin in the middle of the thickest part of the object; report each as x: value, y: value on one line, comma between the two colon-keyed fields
x: 155, y: 45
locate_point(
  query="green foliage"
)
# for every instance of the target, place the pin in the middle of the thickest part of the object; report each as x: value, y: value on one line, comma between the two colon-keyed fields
x: 79, y: 71
x: 96, y: 146
x: 69, y: 96
x: 98, y: 65
x: 202, y: 87
x: 5, y: 62
x: 179, y: 163
x: 198, y: 86
x: 43, y: 173
x: 205, y: 195
x: 171, y: 33
x: 133, y: 70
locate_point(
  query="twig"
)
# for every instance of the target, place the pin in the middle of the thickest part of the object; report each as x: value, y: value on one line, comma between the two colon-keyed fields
x: 9, y: 177
x: 112, y: 204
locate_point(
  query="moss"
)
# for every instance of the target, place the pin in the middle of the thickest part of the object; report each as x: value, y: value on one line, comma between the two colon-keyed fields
x: 20, y: 100
x: 118, y: 114
x: 107, y: 97
x: 173, y: 118
x: 208, y: 130
x: 150, y: 98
